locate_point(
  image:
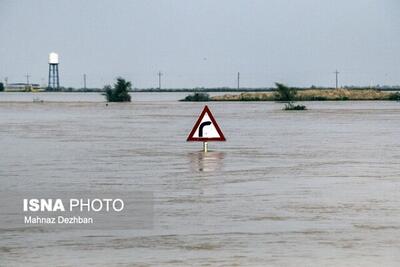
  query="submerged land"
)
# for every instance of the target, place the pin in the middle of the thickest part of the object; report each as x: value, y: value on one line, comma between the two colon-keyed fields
x: 316, y: 181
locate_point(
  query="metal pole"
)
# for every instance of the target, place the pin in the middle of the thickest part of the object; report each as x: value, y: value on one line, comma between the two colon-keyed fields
x: 58, y: 78
x: 238, y: 81
x: 159, y: 79
x: 336, y: 72
x: 205, y: 147
x: 336, y: 80
x: 49, y: 85
x: 84, y: 81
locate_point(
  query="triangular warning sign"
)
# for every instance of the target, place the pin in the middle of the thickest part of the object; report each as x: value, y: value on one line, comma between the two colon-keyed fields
x: 206, y: 128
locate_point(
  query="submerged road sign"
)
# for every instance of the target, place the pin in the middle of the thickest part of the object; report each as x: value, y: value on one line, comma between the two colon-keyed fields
x: 206, y: 129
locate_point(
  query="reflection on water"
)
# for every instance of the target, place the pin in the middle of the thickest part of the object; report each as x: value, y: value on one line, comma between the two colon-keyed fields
x: 206, y: 162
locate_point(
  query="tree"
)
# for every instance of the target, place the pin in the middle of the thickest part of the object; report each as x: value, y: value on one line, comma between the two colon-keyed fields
x: 285, y: 93
x: 1, y: 87
x: 118, y: 93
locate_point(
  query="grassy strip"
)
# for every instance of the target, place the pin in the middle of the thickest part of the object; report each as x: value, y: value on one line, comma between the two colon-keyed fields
x: 314, y: 95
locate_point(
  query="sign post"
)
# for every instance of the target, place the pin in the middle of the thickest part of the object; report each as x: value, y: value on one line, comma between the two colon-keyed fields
x: 206, y: 130
x: 205, y: 147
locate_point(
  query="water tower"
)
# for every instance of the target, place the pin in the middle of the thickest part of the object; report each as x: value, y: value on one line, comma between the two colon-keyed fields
x: 54, y: 81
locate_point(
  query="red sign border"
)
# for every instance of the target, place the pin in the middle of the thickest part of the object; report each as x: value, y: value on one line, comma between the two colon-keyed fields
x: 205, y: 139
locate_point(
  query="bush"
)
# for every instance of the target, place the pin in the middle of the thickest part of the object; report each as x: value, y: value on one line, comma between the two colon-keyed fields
x: 395, y: 96
x: 197, y: 97
x: 1, y: 87
x: 291, y: 106
x: 318, y: 98
x: 342, y: 98
x: 120, y: 91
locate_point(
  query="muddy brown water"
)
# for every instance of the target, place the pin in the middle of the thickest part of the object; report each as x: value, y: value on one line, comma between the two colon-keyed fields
x: 313, y: 188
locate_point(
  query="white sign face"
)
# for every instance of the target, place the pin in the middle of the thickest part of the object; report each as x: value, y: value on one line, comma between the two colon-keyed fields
x: 206, y: 128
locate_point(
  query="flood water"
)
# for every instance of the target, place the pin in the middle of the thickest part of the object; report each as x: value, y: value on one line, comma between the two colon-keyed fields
x: 92, y: 97
x: 313, y: 188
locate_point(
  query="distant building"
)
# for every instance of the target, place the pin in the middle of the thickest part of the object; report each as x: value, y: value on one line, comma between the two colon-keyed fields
x: 23, y: 87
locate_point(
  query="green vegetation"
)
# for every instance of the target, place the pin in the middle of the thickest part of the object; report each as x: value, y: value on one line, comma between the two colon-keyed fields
x: 197, y: 97
x: 285, y: 93
x: 291, y: 106
x: 119, y: 93
x: 395, y: 96
x: 1, y: 87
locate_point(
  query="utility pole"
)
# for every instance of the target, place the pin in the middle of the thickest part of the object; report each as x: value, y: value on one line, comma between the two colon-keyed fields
x: 159, y: 79
x: 6, y: 80
x: 84, y: 81
x: 337, y: 73
x: 238, y: 81
x: 27, y: 78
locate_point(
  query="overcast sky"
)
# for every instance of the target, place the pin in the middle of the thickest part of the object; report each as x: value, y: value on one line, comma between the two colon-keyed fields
x: 203, y: 42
